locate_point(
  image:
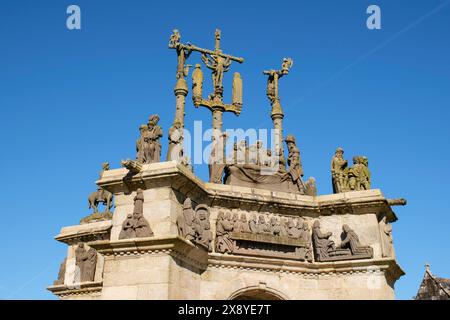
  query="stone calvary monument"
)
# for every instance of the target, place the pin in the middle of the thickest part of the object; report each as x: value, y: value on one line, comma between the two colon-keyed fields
x: 255, y: 230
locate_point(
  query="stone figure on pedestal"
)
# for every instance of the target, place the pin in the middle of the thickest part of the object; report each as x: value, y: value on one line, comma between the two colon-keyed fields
x: 224, y: 244
x: 217, y: 159
x: 136, y: 221
x: 339, y: 171
x: 310, y: 186
x: 175, y: 150
x: 86, y: 261
x: 154, y: 134
x: 142, y: 147
x: 295, y: 164
x: 359, y: 175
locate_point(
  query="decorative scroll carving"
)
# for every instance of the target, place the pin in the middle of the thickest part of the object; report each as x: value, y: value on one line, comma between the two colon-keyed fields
x: 350, y: 248
x: 86, y: 261
x: 61, y: 273
x: 135, y: 225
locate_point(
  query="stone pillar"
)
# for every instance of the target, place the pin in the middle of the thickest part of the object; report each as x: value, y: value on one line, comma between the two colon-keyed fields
x: 277, y: 116
x: 180, y: 91
x: 217, y: 118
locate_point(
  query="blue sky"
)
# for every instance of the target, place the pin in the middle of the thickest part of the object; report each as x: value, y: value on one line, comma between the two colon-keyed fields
x: 70, y: 100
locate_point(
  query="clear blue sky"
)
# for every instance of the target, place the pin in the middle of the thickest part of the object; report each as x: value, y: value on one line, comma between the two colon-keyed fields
x: 70, y: 100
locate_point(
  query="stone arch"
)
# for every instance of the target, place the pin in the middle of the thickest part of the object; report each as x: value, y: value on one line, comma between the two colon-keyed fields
x: 257, y: 293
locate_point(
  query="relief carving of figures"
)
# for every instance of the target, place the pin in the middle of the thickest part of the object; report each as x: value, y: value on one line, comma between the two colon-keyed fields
x: 323, y: 246
x: 242, y: 224
x: 185, y: 221
x: 253, y: 224
x: 386, y: 238
x: 278, y: 227
x: 292, y: 230
x: 86, y: 261
x: 224, y: 225
x: 263, y: 225
x: 351, y: 241
x: 135, y: 225
x: 61, y: 273
x: 202, y: 227
x: 295, y: 164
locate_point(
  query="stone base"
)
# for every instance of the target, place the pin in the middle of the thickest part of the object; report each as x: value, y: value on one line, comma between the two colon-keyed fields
x: 166, y: 266
x: 96, y: 217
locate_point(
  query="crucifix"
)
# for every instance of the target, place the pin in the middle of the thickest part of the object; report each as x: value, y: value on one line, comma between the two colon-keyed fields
x: 219, y: 63
x: 277, y: 114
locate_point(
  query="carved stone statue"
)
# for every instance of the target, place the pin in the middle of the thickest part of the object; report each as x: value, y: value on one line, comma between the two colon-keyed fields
x: 139, y: 225
x: 202, y: 227
x: 175, y: 150
x: 105, y: 167
x: 237, y: 90
x: 295, y: 164
x: 322, y: 244
x: 100, y: 196
x: 359, y: 175
x: 224, y: 225
x: 310, y: 185
x: 278, y: 228
x: 185, y: 221
x: 339, y: 171
x: 61, y: 273
x: 351, y: 241
x: 134, y: 166
x: 197, y: 82
x: 217, y: 159
x: 86, y: 261
x: 154, y: 134
x: 127, y: 231
x: 142, y: 147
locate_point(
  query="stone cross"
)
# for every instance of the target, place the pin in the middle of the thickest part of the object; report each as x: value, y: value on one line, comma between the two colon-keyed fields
x: 219, y: 63
x: 277, y: 114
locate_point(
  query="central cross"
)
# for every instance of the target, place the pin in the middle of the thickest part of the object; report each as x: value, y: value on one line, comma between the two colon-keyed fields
x: 219, y: 63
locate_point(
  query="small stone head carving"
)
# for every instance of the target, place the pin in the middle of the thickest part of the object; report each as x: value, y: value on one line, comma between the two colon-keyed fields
x: 316, y: 224
x: 153, y: 120
x: 243, y: 217
x: 187, y: 204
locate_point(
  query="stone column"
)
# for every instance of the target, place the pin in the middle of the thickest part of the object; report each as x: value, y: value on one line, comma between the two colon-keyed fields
x: 277, y: 116
x: 180, y: 91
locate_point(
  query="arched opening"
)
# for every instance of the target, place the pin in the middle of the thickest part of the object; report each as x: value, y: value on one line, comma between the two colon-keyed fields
x: 257, y: 294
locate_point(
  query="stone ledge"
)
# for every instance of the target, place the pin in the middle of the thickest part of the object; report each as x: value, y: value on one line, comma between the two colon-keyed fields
x: 85, y: 232
x: 169, y: 174
x: 82, y: 288
x: 311, y: 269
x: 175, y: 246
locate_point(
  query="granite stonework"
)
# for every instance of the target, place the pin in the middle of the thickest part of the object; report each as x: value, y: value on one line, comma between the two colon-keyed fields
x: 166, y: 266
